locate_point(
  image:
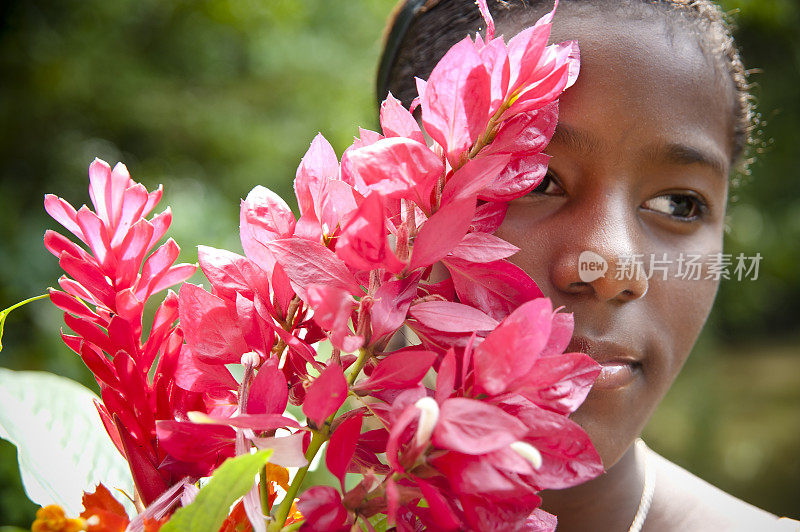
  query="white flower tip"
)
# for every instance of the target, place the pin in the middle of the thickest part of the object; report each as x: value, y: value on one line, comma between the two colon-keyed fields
x: 250, y: 359
x: 528, y: 452
x: 200, y: 417
x: 429, y: 415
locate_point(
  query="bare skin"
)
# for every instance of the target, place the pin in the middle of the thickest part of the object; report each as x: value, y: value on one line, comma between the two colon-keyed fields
x: 644, y: 141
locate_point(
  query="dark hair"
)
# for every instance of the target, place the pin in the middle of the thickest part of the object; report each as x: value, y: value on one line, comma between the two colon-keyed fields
x: 421, y: 31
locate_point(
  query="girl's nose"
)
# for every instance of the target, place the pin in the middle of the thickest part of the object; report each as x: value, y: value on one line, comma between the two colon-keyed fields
x: 609, y: 277
x: 600, y: 257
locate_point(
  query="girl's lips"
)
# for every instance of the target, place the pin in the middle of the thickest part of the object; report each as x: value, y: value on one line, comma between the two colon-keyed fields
x: 616, y: 374
x: 619, y: 365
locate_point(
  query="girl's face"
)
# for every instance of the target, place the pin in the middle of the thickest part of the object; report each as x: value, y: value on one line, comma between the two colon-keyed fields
x: 639, y: 168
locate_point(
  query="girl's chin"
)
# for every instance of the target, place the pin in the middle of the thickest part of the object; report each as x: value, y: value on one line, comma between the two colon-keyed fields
x: 615, y: 411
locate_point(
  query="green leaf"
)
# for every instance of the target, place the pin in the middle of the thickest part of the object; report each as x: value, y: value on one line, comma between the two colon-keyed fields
x: 379, y: 522
x: 231, y: 480
x: 62, y: 446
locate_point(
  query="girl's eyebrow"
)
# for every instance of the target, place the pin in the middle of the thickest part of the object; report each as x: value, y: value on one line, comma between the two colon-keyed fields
x: 676, y: 153
x: 575, y: 139
x: 683, y: 154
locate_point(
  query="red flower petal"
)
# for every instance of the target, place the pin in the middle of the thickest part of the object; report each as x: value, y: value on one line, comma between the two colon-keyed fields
x: 397, y: 121
x: 322, y: 509
x: 308, y: 263
x: 211, y: 330
x: 325, y: 395
x: 497, y: 288
x: 399, y: 370
x: 513, y: 347
x: 442, y: 232
x: 447, y: 316
x: 342, y: 445
x: 474, y: 427
x: 455, y: 104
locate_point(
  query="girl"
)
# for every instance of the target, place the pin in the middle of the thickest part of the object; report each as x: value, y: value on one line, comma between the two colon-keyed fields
x: 638, y: 182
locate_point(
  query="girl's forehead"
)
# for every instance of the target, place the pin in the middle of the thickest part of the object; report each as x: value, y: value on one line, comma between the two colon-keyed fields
x: 645, y: 77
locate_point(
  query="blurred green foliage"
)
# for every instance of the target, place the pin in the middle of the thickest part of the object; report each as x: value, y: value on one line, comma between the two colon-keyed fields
x: 211, y: 97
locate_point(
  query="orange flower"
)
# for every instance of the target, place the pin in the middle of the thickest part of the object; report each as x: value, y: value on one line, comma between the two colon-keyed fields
x: 102, y: 512
x: 53, y: 519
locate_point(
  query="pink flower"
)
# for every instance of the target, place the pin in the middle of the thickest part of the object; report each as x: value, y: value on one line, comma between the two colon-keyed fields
x: 103, y: 302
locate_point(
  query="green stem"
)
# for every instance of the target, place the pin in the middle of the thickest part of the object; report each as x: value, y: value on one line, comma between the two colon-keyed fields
x: 29, y: 300
x: 264, y: 490
x: 286, y: 504
x: 488, y: 134
x: 5, y: 312
x: 363, y: 356
x: 317, y: 440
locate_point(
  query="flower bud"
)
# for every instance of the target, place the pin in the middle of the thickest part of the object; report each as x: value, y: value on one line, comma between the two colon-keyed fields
x: 528, y: 452
x: 250, y: 359
x: 429, y: 415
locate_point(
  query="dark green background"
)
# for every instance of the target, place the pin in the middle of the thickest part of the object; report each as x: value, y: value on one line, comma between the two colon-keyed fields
x: 213, y: 97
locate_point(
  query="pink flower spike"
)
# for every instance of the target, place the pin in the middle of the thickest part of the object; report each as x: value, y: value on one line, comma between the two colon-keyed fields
x: 495, y: 58
x: 268, y: 391
x: 325, y: 395
x: 392, y: 300
x: 489, y: 216
x: 561, y: 333
x: 559, y: 383
x: 194, y: 375
x: 132, y: 209
x: 520, y: 176
x: 322, y: 509
x: 420, y: 85
x: 528, y: 132
x: 455, y: 105
x: 543, y: 92
x: 63, y: 213
x: 441, y: 512
x: 474, y: 176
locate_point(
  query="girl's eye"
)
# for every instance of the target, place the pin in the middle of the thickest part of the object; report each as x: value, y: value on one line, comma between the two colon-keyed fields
x: 682, y: 206
x: 548, y: 186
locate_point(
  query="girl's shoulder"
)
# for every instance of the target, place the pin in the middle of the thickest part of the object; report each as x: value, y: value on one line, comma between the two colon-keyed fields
x: 683, y: 501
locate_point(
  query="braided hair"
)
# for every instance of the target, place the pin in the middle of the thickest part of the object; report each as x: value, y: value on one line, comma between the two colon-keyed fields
x: 421, y: 31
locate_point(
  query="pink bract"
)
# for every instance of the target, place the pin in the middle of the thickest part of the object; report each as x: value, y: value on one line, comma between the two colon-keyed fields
x: 399, y: 233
